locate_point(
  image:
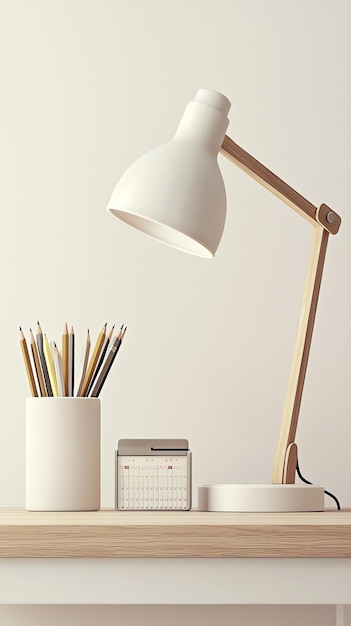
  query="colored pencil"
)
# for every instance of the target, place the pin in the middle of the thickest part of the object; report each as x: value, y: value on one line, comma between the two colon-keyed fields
x: 116, y: 344
x: 93, y: 361
x: 85, y: 364
x: 65, y: 358
x: 37, y: 365
x: 50, y: 366
x: 28, y: 365
x: 40, y: 344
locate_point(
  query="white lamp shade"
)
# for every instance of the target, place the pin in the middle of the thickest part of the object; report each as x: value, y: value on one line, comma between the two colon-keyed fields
x: 175, y: 193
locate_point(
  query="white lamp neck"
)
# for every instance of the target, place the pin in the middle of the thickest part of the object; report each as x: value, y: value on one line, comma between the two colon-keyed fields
x: 205, y: 121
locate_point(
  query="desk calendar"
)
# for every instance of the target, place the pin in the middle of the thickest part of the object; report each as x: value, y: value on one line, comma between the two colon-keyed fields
x: 153, y: 474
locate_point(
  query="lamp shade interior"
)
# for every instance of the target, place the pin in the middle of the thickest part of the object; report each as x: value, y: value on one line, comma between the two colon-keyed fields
x: 164, y: 233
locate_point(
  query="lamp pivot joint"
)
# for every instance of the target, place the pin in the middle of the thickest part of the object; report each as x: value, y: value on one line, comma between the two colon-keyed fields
x: 328, y: 219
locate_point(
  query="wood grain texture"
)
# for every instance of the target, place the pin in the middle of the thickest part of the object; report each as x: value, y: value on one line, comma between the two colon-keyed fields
x: 301, y: 353
x: 279, y: 188
x: 110, y: 533
x: 324, y: 221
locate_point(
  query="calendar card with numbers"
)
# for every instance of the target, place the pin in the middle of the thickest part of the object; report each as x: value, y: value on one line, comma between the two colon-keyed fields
x: 153, y: 474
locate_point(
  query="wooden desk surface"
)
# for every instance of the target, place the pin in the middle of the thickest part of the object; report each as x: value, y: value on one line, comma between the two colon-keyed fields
x: 109, y: 533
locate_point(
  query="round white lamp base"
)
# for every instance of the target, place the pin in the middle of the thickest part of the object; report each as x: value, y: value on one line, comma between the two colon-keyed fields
x: 260, y: 498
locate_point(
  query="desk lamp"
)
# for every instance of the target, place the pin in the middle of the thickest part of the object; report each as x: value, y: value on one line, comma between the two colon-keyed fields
x: 175, y: 193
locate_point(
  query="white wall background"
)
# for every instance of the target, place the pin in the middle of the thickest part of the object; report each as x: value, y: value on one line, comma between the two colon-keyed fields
x: 86, y: 87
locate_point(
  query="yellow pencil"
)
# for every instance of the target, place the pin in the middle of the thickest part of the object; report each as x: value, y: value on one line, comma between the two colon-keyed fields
x: 101, y: 359
x: 93, y: 361
x: 31, y: 379
x: 38, y: 369
x: 85, y: 364
x: 65, y: 357
x: 71, y: 343
x: 59, y: 371
x: 50, y: 366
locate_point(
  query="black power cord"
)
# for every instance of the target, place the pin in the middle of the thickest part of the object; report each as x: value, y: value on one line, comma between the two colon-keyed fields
x: 309, y: 483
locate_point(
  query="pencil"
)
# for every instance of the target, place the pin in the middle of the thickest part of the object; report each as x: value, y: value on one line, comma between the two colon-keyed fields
x: 28, y: 365
x: 101, y: 360
x: 85, y: 364
x: 93, y: 361
x: 42, y: 360
x: 65, y: 359
x: 37, y: 365
x: 116, y: 344
x: 50, y: 366
x: 71, y: 363
x: 59, y: 371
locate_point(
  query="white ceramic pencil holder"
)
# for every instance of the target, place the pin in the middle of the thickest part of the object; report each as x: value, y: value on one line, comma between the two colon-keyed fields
x: 62, y: 454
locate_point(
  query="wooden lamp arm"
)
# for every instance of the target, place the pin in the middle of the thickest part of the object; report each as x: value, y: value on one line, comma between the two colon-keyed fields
x: 286, y: 452
x: 324, y: 215
x: 325, y: 222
